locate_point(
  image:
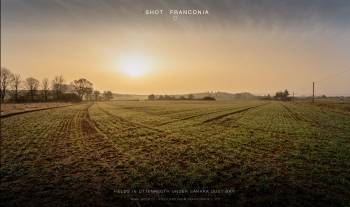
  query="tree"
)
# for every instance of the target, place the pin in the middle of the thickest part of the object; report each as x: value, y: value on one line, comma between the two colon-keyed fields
x: 190, y: 96
x: 16, y: 84
x: 57, y: 85
x: 45, y: 87
x: 108, y: 95
x: 279, y: 95
x: 82, y: 87
x: 32, y: 86
x: 96, y: 95
x: 5, y: 82
x: 151, y: 97
x: 167, y: 97
x: 282, y: 95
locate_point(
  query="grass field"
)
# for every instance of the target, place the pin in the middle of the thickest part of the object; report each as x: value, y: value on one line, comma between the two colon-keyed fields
x: 271, y: 153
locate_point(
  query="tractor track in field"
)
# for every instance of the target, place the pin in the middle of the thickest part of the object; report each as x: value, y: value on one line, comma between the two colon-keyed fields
x: 135, y: 124
x: 77, y: 149
x: 88, y: 156
x: 295, y: 115
x: 231, y: 113
x: 140, y: 109
x: 72, y: 160
x: 194, y: 116
x: 92, y: 145
x: 110, y: 163
x: 99, y: 142
x: 299, y: 117
x: 75, y: 156
x: 159, y: 132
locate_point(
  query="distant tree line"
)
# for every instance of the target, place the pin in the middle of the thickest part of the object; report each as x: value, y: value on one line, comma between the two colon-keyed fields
x: 280, y: 95
x: 153, y: 97
x: 15, y: 89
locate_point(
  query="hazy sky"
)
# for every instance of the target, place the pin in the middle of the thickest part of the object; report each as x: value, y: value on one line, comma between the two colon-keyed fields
x: 258, y: 46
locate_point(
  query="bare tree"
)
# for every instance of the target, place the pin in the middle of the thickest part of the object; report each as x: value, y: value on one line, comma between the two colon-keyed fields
x: 82, y: 87
x: 96, y: 95
x: 32, y: 85
x: 57, y: 85
x: 45, y: 87
x: 16, y: 84
x: 5, y: 82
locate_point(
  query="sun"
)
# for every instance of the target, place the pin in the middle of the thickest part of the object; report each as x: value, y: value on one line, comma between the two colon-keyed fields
x: 134, y: 65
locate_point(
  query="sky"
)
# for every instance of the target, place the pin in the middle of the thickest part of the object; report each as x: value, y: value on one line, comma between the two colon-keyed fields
x: 257, y: 46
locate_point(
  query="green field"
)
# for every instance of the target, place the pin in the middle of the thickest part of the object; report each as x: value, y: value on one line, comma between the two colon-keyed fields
x: 270, y: 153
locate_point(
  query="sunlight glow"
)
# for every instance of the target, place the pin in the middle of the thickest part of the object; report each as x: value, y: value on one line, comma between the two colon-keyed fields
x: 134, y: 65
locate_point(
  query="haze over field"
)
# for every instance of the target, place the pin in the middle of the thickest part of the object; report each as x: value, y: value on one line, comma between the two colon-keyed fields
x: 255, y: 46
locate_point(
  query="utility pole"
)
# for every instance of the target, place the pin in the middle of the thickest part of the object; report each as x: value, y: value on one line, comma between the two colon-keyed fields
x: 293, y: 96
x: 313, y: 92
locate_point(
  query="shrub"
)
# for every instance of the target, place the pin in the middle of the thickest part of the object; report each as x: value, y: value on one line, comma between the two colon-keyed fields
x: 69, y: 97
x: 209, y: 98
